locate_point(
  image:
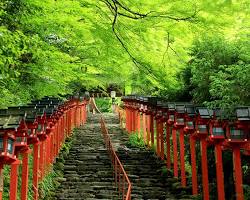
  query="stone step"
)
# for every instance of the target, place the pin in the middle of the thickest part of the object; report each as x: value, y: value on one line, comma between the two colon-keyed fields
x: 88, y: 173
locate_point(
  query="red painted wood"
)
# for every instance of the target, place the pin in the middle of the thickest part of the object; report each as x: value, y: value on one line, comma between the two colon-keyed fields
x: 182, y: 159
x: 175, y: 152
x: 161, y: 141
x: 219, y: 172
x: 14, y: 179
x: 41, y: 160
x: 127, y: 118
x: 25, y: 175
x: 35, y: 170
x: 238, y: 174
x: 168, y: 147
x: 148, y: 129
x: 152, y: 129
x: 51, y: 147
x: 48, y: 153
x: 193, y: 164
x: 135, y: 121
x: 158, y: 138
x: 131, y: 120
x: 144, y: 125
x: 204, y: 169
x: 139, y: 124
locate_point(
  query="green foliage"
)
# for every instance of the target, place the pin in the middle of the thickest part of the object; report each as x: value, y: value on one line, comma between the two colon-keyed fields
x: 219, y: 72
x: 48, y: 184
x: 135, y: 141
x: 104, y: 104
x: 57, y: 47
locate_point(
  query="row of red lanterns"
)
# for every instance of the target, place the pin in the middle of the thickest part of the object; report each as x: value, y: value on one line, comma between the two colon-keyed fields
x: 209, y: 127
x: 44, y: 124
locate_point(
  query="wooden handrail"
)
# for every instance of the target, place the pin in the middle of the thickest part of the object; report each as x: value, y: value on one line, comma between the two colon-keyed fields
x: 121, y: 178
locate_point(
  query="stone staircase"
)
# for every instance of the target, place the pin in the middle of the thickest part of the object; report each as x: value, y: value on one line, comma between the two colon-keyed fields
x: 149, y: 177
x: 87, y: 170
x: 88, y: 174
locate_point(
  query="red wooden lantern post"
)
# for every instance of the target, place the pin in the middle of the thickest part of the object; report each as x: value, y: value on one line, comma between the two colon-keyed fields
x: 14, y: 120
x: 217, y: 137
x: 138, y: 127
x: 190, y: 129
x: 7, y: 153
x: 17, y: 121
x: 130, y: 104
x: 82, y: 104
x: 125, y: 99
x: 32, y: 125
x: 23, y: 148
x: 137, y: 115
x: 159, y: 125
x: 129, y: 119
x: 144, y: 111
x: 41, y: 134
x: 142, y: 118
x: 202, y: 119
x: 133, y: 108
x: 152, y: 102
x: 170, y: 122
x: 49, y: 132
x: 147, y: 118
x: 164, y: 119
x: 179, y: 124
x: 237, y: 138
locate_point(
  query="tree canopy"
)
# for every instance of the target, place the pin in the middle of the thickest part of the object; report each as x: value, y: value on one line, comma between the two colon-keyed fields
x: 188, y: 50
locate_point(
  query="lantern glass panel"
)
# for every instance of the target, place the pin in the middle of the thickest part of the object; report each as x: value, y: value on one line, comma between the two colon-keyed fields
x: 18, y: 139
x: 39, y: 128
x: 190, y: 124
x: 190, y: 110
x: 243, y: 112
x: 180, y: 121
x: 236, y: 133
x: 204, y: 112
x: 1, y: 144
x: 10, y: 146
x: 202, y: 128
x: 171, y: 106
x: 171, y: 117
x: 159, y: 112
x: 21, y: 139
x: 180, y: 108
x: 218, y: 131
x: 29, y: 131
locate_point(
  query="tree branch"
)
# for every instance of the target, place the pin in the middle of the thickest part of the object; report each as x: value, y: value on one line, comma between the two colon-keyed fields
x: 134, y: 60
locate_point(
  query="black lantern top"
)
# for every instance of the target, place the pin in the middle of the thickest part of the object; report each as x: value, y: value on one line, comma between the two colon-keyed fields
x: 49, y: 112
x: 190, y: 110
x: 15, y: 111
x: 204, y: 112
x: 145, y: 100
x: 10, y: 121
x: 152, y: 101
x: 180, y: 108
x: 243, y: 114
x: 159, y: 103
x: 171, y: 107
